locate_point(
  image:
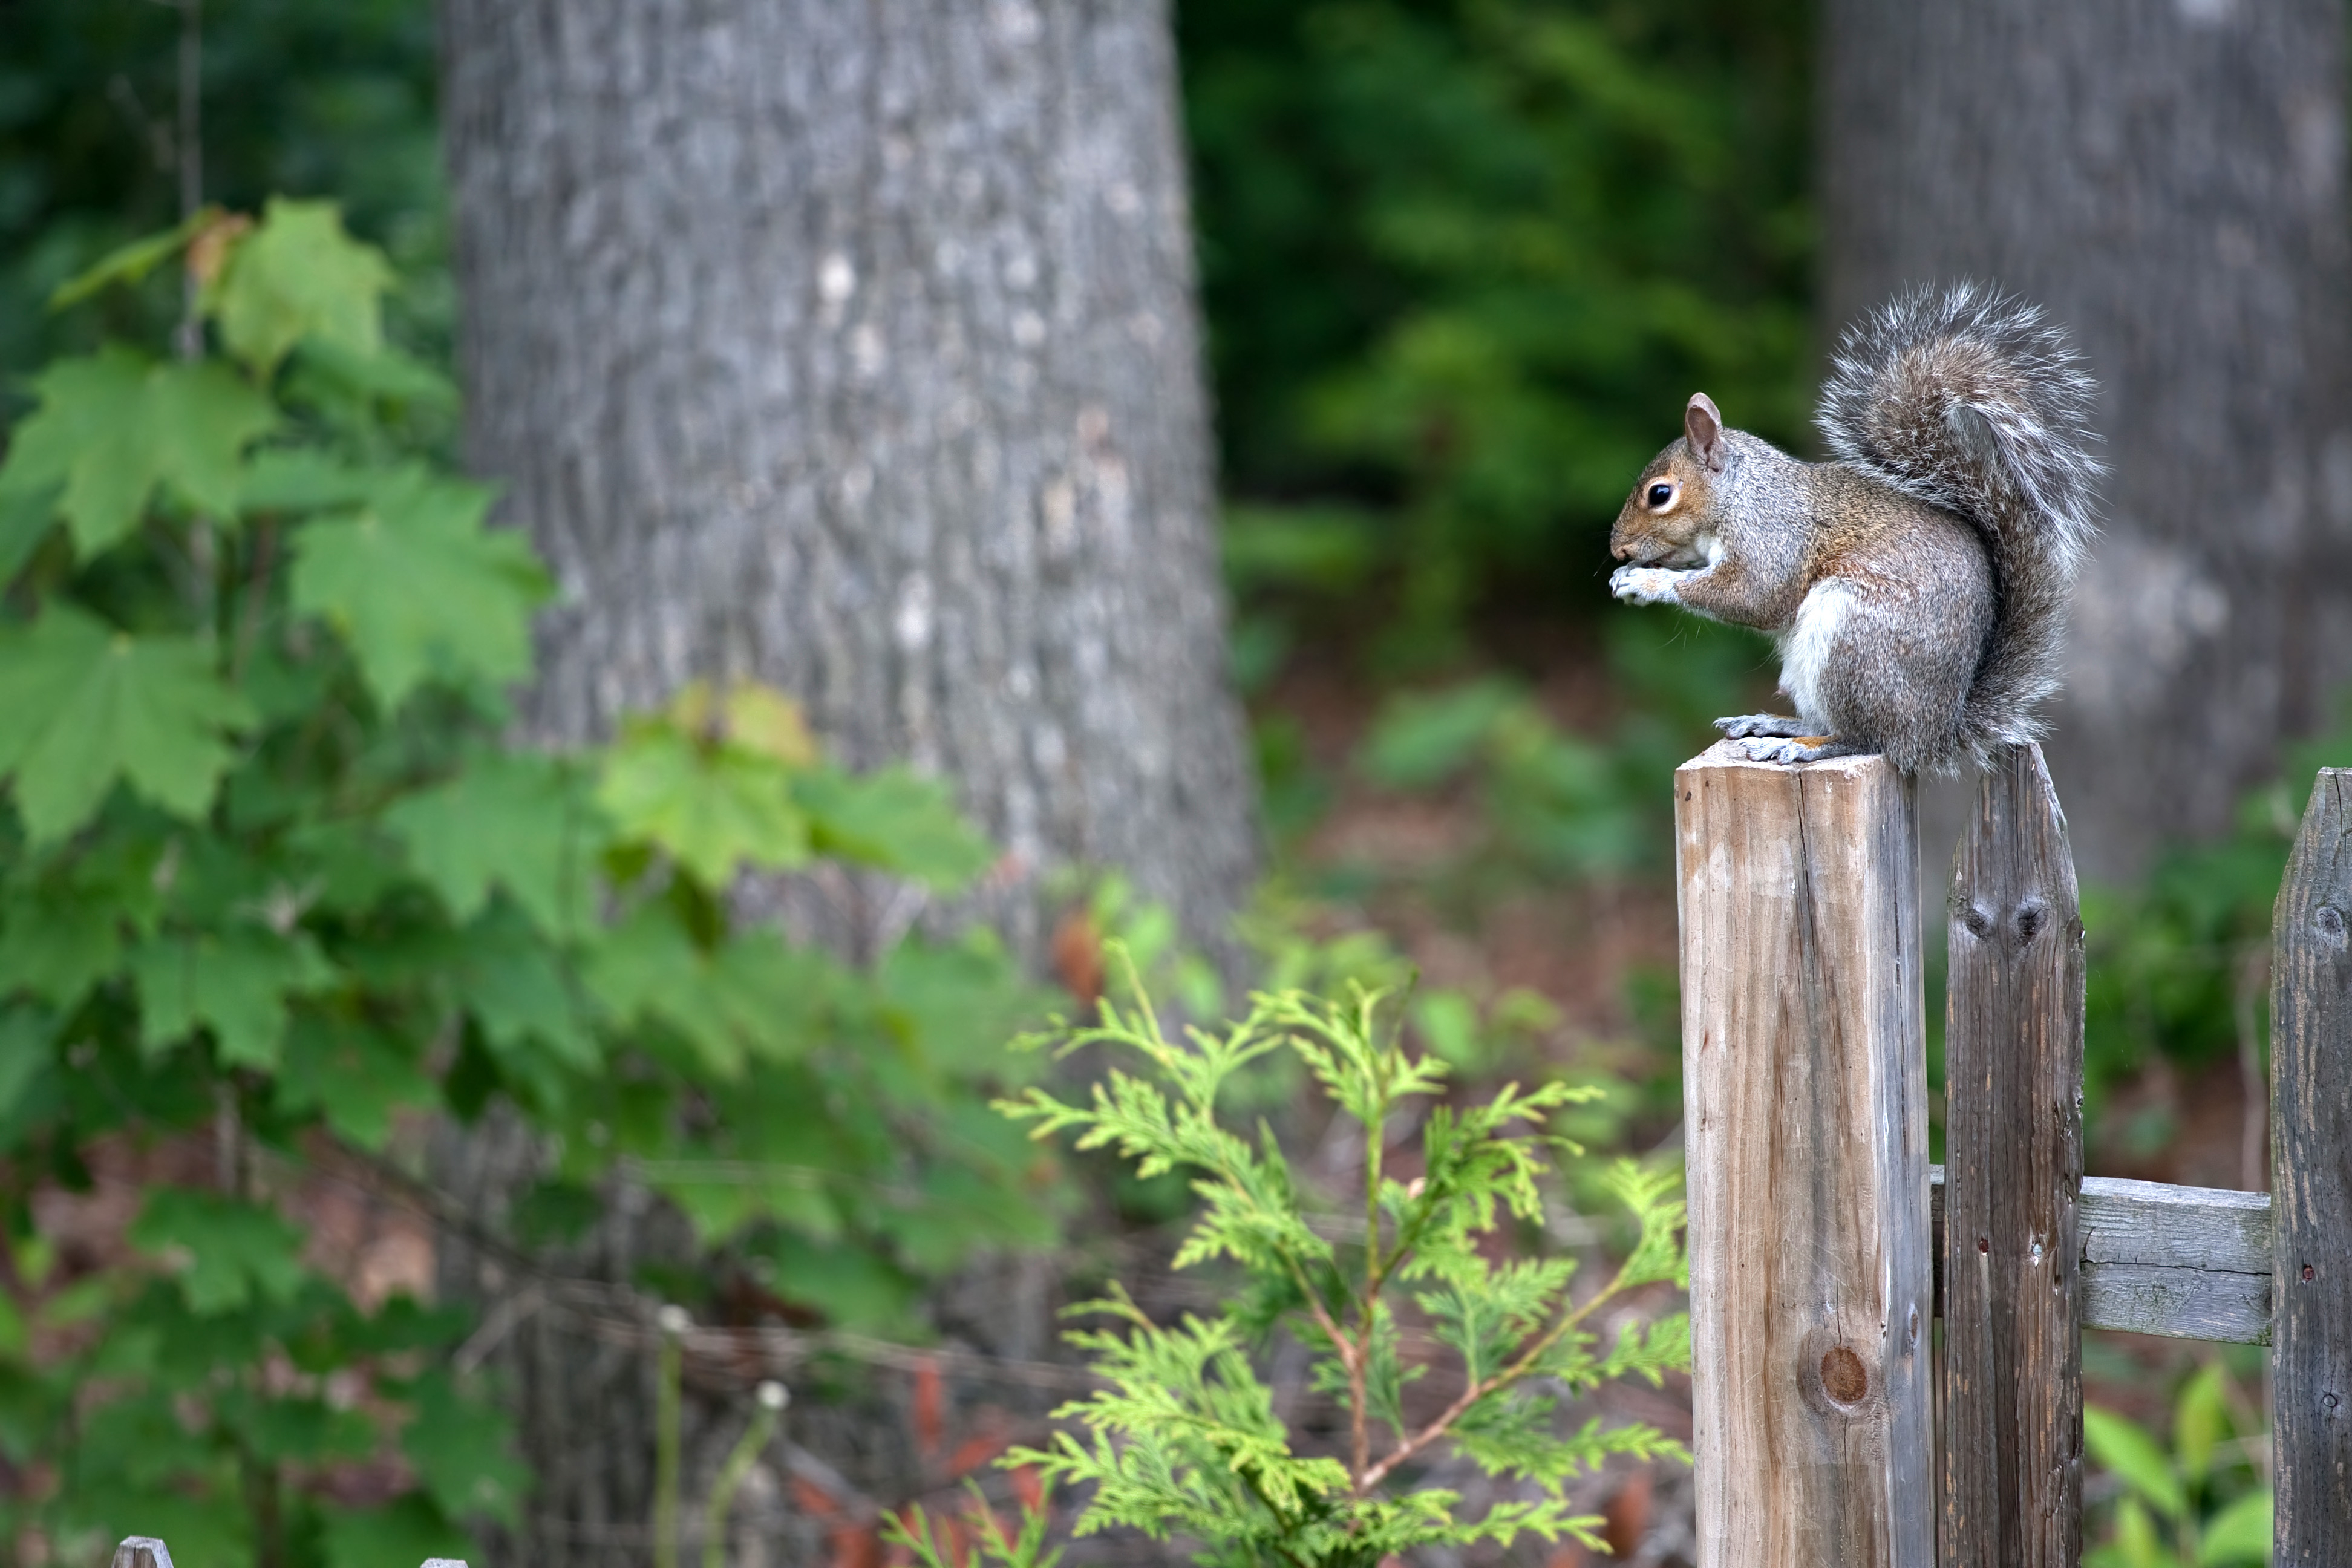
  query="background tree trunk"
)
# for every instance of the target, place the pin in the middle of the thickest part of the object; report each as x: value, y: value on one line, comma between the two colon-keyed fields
x: 2168, y: 179
x: 851, y: 347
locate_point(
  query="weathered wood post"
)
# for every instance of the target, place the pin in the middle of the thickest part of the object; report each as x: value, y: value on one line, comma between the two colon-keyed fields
x: 2012, y: 1182
x: 1805, y: 1104
x: 146, y: 1552
x: 2311, y: 1187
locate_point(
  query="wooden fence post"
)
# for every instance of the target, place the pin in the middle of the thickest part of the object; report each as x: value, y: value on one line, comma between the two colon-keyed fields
x: 142, y: 1552
x: 1804, y: 1082
x: 2311, y: 1187
x: 2013, y: 1178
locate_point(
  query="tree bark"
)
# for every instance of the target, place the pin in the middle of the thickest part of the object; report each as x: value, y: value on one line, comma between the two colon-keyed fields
x: 2168, y: 181
x: 852, y: 348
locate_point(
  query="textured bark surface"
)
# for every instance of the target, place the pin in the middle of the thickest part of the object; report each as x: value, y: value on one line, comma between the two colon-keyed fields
x: 2013, y: 1178
x: 850, y: 347
x: 853, y: 347
x: 1804, y: 1080
x: 2311, y: 1185
x: 2168, y: 179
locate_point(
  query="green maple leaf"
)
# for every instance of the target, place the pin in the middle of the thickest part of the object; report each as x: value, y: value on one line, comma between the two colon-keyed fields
x: 510, y: 979
x: 399, y: 1534
x: 463, y: 1453
x: 83, y: 705
x: 356, y: 1077
x: 712, y: 807
x: 26, y: 517
x: 234, y: 1252
x: 113, y: 425
x: 128, y: 263
x: 56, y: 947
x: 299, y: 275
x: 302, y: 479
x: 516, y: 820
x: 896, y: 821
x: 237, y: 982
x: 754, y: 997
x: 419, y: 587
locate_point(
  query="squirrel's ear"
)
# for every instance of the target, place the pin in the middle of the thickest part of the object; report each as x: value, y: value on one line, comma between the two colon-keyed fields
x: 1703, y: 426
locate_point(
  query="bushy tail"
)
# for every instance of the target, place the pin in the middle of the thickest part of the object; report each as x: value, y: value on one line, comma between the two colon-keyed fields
x: 1966, y: 399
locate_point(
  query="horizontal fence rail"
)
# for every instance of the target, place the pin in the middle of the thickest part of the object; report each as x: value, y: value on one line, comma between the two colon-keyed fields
x: 2188, y: 1263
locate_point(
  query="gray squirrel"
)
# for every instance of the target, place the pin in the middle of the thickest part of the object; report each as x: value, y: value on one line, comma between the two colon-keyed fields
x: 1918, y: 581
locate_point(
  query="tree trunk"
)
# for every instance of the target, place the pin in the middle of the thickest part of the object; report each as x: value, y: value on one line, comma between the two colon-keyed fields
x: 2168, y: 181
x: 850, y: 347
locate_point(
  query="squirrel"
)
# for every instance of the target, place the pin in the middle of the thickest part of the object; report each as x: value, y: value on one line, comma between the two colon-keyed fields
x: 1916, y: 583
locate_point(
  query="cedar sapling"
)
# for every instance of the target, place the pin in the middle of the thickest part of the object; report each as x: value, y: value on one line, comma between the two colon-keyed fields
x: 1185, y: 1439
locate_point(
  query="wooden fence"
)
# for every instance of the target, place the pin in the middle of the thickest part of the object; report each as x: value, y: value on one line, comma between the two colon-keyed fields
x: 1822, y: 1242
x: 146, y: 1552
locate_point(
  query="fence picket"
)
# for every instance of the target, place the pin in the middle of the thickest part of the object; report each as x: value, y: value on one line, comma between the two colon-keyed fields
x: 2311, y: 1187
x: 1805, y: 1117
x: 2012, y: 1180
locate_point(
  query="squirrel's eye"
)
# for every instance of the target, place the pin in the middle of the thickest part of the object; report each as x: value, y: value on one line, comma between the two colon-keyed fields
x: 1660, y: 495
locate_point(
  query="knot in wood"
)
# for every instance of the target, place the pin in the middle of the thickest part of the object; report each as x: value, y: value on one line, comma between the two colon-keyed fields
x: 1979, y: 924
x: 2327, y: 922
x: 1842, y: 1377
x: 2031, y: 913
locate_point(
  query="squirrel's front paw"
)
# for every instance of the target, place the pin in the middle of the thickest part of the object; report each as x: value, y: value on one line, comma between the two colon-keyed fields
x: 1762, y: 749
x: 1644, y: 585
x: 1769, y: 725
x: 1793, y: 749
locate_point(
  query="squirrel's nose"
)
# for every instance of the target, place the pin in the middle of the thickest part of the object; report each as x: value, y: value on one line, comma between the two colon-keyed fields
x: 1621, y: 549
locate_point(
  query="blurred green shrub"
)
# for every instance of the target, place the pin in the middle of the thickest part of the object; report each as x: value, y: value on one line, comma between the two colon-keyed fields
x: 1464, y: 261
x: 2203, y: 1502
x: 1555, y: 804
x: 2179, y: 962
x: 310, y: 97
x: 271, y: 882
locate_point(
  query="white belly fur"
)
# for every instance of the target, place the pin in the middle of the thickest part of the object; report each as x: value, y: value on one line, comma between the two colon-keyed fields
x: 1805, y: 650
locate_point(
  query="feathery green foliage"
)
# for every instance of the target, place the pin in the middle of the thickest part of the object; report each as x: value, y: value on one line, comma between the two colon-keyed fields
x: 1185, y: 1440
x: 938, y: 1543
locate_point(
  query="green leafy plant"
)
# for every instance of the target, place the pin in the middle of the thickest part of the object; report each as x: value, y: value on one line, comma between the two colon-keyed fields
x: 2179, y: 959
x: 2201, y: 1503
x: 1186, y: 1439
x: 1550, y: 801
x: 1464, y: 259
x: 273, y: 887
x: 941, y: 1543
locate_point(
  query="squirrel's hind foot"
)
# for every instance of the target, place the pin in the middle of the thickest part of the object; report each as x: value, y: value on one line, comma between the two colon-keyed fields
x: 1794, y: 749
x: 1770, y: 724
